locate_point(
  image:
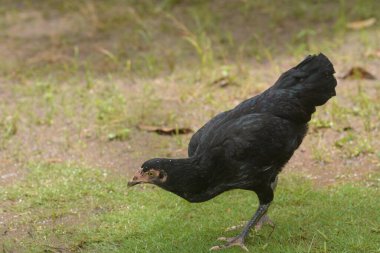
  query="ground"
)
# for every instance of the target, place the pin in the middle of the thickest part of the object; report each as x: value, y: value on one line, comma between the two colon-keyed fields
x: 78, y: 78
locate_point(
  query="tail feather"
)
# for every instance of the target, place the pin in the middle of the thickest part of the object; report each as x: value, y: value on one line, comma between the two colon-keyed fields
x: 299, y: 90
x: 312, y: 80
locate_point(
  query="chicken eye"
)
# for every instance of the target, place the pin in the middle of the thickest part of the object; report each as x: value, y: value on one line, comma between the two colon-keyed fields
x: 150, y: 173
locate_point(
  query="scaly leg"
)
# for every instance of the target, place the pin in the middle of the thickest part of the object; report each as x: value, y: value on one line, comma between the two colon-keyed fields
x: 240, y: 239
x: 264, y: 219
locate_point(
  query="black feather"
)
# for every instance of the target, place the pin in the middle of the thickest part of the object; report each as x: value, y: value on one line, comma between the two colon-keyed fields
x: 246, y: 147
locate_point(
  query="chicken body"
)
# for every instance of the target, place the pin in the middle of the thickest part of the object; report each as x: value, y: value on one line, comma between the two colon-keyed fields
x: 247, y: 147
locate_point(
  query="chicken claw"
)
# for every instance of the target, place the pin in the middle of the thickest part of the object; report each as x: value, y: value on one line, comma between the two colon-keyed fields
x: 233, y: 241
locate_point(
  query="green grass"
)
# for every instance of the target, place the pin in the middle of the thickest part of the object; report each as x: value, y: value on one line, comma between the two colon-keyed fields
x: 67, y: 92
x: 65, y: 207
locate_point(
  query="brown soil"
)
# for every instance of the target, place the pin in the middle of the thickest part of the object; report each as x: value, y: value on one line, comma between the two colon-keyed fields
x: 47, y: 144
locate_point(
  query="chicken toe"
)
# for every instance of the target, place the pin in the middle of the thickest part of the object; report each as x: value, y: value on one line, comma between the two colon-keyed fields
x: 233, y: 241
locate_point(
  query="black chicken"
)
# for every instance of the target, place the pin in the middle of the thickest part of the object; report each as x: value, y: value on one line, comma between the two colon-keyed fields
x: 246, y: 147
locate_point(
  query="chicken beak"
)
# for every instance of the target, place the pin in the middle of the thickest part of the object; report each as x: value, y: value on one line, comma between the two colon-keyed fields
x: 138, y: 178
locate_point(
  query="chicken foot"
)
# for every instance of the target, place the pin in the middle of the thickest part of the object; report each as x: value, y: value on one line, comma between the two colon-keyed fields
x: 240, y: 239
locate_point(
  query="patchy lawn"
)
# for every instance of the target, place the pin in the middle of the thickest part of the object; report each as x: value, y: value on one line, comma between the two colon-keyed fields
x: 65, y: 208
x: 78, y: 78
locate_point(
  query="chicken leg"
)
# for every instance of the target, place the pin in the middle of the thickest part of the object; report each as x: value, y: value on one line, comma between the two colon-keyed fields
x: 240, y: 239
x: 264, y: 219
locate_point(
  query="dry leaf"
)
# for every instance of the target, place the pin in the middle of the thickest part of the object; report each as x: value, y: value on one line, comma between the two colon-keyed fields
x: 223, y: 82
x: 356, y: 25
x: 347, y: 128
x: 165, y: 130
x: 358, y: 73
